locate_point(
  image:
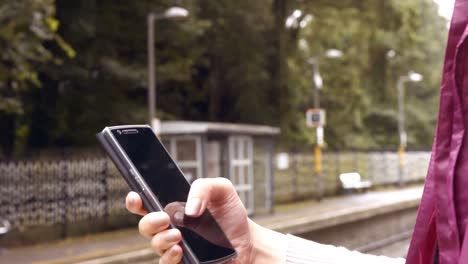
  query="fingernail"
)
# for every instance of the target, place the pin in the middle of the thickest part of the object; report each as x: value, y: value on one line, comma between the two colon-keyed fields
x: 193, y: 206
x: 172, y: 236
x: 132, y: 200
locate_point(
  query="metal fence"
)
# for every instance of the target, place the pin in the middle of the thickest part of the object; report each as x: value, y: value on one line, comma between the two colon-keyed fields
x: 59, y: 191
x: 381, y: 168
x: 64, y: 192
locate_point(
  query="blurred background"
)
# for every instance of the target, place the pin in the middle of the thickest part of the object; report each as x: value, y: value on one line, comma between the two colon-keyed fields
x: 370, y: 70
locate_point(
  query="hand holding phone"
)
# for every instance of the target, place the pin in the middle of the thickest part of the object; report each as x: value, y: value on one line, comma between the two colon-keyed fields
x: 150, y: 171
x: 217, y: 195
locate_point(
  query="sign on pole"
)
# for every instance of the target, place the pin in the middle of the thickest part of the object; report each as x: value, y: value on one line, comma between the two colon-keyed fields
x: 315, y: 117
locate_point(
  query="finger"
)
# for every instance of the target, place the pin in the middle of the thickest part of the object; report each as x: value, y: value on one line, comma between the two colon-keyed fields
x: 164, y: 240
x: 176, y: 211
x: 153, y: 223
x: 172, y: 255
x: 134, y: 204
x: 204, y: 191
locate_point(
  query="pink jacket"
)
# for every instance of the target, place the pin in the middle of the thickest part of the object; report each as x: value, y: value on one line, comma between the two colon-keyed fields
x: 443, y: 215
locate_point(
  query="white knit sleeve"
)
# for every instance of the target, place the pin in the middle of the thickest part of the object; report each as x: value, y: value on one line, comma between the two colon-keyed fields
x: 303, y: 251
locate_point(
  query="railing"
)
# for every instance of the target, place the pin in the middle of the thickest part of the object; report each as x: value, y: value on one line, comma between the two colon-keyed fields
x: 66, y: 192
x: 59, y: 191
x: 381, y: 168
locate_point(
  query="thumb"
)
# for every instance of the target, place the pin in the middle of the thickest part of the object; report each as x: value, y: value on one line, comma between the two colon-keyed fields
x: 209, y: 191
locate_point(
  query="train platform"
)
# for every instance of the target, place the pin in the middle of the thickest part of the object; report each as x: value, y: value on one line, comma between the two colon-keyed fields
x: 127, y: 246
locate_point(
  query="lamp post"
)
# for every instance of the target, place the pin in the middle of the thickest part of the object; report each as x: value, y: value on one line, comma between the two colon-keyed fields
x: 410, y: 77
x: 318, y: 115
x: 170, y: 13
x: 316, y: 77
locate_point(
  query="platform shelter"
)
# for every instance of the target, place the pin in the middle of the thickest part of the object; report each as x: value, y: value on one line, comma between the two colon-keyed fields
x: 242, y: 153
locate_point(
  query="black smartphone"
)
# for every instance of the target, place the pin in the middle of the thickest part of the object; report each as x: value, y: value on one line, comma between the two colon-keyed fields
x: 150, y: 171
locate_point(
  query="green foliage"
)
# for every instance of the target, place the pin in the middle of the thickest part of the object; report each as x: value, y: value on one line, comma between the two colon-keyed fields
x: 360, y: 88
x: 232, y: 61
x: 25, y: 27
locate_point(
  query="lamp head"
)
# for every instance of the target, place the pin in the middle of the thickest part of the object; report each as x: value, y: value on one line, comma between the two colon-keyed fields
x: 414, y: 76
x: 334, y: 53
x: 291, y: 20
x: 176, y: 13
x: 391, y: 54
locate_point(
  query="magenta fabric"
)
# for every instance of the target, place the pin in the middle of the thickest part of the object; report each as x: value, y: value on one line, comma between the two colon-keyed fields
x: 443, y: 214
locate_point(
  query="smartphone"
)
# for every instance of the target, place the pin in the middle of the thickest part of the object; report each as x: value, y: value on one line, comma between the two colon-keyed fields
x: 150, y: 171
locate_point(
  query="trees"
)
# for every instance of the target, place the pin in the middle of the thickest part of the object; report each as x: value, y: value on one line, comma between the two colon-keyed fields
x: 360, y: 88
x: 232, y: 61
x: 25, y: 28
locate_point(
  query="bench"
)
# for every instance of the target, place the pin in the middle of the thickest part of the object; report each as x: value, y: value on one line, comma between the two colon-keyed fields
x: 4, y: 229
x: 351, y: 181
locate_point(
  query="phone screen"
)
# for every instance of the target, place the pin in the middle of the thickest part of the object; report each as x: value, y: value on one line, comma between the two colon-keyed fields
x: 166, y: 181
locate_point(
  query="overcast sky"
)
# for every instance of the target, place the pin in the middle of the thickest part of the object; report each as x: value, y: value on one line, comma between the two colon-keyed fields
x: 445, y: 8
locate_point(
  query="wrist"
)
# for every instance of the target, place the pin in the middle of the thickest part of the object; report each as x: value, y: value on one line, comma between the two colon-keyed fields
x: 268, y: 246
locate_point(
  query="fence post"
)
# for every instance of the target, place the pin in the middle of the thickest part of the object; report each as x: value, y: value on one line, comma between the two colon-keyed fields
x: 370, y: 175
x: 319, y: 174
x: 271, y: 176
x: 356, y: 161
x: 295, y: 158
x: 338, y: 162
x: 63, y: 171
x: 105, y: 183
x: 386, y: 169
x: 325, y: 172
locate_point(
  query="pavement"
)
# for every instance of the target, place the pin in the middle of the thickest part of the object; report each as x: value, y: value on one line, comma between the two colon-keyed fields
x: 122, y: 246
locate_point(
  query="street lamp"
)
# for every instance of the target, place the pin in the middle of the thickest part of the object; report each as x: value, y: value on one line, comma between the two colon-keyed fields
x: 170, y: 13
x: 292, y: 20
x: 410, y: 77
x: 317, y: 113
x: 333, y: 53
x: 316, y: 77
x: 298, y: 19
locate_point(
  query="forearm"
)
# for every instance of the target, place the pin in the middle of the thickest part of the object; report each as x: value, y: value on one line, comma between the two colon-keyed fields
x: 269, y: 246
x: 305, y: 251
x: 273, y: 247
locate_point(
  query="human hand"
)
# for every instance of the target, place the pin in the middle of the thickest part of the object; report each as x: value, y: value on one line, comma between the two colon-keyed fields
x: 251, y: 242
